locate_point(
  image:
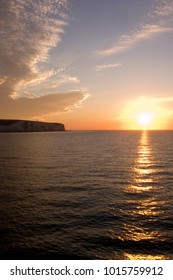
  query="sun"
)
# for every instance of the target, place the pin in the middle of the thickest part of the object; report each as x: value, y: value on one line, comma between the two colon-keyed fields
x: 144, y: 119
x: 144, y: 113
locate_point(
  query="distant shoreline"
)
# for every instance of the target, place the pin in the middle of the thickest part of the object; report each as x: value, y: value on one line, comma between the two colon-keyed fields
x: 10, y: 125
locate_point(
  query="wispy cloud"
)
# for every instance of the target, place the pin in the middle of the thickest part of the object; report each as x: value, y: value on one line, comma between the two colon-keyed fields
x: 153, y: 104
x: 29, y: 108
x: 164, y: 8
x: 127, y: 42
x: 102, y: 67
x: 163, y: 100
x: 51, y: 85
x: 2, y: 80
x: 159, y: 21
x: 29, y: 30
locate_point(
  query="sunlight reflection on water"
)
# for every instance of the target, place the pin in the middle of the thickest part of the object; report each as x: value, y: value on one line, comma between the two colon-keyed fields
x: 146, y: 209
x: 142, y: 168
x: 144, y: 257
x: 105, y: 195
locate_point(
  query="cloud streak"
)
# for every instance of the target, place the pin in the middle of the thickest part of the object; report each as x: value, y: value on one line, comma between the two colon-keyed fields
x: 127, y: 42
x: 38, y: 107
x: 102, y: 67
x: 161, y: 23
x: 28, y: 31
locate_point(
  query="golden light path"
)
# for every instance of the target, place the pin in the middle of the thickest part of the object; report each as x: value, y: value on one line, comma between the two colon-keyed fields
x: 146, y: 208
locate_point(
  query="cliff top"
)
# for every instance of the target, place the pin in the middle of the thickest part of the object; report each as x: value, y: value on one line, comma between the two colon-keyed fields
x: 13, y: 121
x: 8, y: 125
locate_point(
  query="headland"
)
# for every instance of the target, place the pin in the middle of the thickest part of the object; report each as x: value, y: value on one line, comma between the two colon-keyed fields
x: 7, y: 125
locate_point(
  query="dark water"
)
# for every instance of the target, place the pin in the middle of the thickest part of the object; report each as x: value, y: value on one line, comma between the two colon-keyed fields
x: 86, y: 195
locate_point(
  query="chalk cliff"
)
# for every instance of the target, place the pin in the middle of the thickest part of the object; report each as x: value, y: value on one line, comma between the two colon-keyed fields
x: 29, y: 126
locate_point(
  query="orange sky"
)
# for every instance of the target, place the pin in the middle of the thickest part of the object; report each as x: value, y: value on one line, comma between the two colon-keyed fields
x: 89, y: 64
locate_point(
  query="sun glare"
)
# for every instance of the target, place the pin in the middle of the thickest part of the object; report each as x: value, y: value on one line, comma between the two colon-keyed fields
x: 145, y: 119
x: 144, y: 114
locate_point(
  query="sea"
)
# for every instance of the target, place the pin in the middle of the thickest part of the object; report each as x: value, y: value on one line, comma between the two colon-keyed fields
x: 105, y: 195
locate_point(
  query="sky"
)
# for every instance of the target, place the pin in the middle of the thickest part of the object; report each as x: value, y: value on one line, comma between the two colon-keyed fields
x: 90, y: 64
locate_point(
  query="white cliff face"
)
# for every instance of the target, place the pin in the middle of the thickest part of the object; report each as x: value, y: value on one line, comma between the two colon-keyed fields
x: 29, y: 126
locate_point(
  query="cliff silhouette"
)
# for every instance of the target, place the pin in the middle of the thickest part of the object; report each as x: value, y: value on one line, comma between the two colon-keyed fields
x: 29, y: 126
